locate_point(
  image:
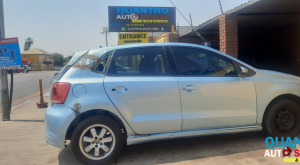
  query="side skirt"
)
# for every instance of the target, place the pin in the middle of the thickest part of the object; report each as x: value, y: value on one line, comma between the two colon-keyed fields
x: 173, y: 135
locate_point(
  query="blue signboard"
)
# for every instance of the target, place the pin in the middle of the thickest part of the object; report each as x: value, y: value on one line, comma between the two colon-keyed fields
x: 10, y: 56
x: 141, y: 19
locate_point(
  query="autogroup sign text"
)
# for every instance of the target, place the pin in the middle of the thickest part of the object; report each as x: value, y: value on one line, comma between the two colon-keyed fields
x: 141, y: 19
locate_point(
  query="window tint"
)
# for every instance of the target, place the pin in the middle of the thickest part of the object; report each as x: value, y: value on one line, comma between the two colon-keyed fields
x: 191, y: 61
x: 142, y: 61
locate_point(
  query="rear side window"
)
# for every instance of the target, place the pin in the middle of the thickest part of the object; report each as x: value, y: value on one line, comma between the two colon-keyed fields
x: 198, y: 62
x: 141, y: 61
x: 75, y: 57
x: 94, y: 60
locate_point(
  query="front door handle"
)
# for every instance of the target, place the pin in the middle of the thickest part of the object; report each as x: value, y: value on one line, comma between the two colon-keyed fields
x: 120, y: 89
x: 189, y: 88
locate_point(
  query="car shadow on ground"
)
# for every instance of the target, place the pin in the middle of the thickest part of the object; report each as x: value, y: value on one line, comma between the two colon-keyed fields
x: 178, y: 150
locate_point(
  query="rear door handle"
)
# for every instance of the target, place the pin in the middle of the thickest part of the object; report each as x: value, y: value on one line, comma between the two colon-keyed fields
x: 119, y: 89
x: 189, y: 88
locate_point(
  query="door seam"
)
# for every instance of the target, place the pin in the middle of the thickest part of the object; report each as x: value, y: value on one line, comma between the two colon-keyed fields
x: 116, y: 107
x: 255, y: 100
x: 180, y: 102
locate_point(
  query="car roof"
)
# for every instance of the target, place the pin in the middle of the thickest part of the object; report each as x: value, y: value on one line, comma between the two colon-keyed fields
x: 161, y: 44
x: 157, y: 44
x: 168, y: 44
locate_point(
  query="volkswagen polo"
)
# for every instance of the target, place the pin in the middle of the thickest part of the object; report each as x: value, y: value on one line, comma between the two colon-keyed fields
x: 109, y: 97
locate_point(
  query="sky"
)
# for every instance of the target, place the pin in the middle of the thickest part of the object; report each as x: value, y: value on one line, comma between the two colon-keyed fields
x: 67, y: 26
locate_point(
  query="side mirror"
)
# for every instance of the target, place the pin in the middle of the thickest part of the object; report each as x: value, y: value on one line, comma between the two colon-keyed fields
x: 242, y: 72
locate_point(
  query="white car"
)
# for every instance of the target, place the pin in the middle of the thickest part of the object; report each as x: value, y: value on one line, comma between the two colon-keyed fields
x: 172, y: 90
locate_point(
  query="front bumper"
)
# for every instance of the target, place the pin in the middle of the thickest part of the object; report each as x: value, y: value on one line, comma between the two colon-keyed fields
x: 58, y: 117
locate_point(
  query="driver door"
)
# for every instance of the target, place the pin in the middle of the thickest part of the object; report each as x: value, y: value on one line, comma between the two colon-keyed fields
x: 212, y: 95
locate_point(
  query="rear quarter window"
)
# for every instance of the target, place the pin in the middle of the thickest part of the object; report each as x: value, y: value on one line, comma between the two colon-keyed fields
x: 94, y: 60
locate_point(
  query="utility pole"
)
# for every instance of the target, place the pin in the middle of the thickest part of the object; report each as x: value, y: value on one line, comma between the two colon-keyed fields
x: 4, y: 83
x: 105, y: 30
x: 191, y: 21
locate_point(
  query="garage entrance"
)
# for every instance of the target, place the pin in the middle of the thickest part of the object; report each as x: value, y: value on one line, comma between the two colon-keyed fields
x: 262, y: 33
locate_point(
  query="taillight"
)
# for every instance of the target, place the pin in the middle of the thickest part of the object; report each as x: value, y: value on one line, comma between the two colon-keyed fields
x: 60, y: 92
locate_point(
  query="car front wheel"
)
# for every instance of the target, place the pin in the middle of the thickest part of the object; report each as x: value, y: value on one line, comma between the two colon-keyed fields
x: 97, y: 140
x: 282, y: 119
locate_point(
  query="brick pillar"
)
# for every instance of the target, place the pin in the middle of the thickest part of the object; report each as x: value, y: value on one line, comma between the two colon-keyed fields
x: 151, y: 39
x: 172, y: 37
x: 229, y: 34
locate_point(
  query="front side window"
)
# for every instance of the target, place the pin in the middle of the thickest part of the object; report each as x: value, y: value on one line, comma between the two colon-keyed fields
x: 193, y: 61
x: 140, y: 61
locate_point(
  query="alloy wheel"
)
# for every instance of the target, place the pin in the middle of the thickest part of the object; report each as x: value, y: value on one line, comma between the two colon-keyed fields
x: 97, y: 142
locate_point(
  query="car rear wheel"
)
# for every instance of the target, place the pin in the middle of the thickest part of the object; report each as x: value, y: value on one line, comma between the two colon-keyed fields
x: 97, y: 140
x: 282, y: 119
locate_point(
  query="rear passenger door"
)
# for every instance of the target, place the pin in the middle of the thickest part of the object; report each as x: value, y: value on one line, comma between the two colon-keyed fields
x: 139, y: 85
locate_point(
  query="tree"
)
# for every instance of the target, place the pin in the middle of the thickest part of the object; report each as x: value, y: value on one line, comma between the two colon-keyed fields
x: 67, y: 59
x: 58, y: 59
x: 28, y: 43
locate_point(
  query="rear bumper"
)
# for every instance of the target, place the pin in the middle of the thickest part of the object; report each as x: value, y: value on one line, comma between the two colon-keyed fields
x: 60, y: 143
x: 58, y: 117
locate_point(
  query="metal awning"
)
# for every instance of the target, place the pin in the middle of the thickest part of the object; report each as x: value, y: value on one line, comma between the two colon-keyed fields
x: 255, y: 15
x: 47, y: 62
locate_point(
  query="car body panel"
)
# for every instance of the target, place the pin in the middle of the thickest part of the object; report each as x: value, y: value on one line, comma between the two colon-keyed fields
x: 187, y: 134
x: 95, y: 98
x: 157, y: 120
x: 217, y: 102
x: 150, y: 104
x: 58, y: 117
x: 271, y: 84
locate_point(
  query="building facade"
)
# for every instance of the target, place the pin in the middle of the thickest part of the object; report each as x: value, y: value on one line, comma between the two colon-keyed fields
x: 39, y: 59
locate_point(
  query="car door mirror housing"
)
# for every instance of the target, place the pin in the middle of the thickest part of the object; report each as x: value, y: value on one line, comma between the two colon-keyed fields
x: 242, y: 71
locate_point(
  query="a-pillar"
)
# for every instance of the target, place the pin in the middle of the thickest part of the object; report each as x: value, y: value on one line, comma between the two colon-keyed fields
x: 229, y: 34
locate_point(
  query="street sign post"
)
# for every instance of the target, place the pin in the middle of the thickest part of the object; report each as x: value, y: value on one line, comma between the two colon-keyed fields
x: 10, y: 56
x: 141, y: 19
x: 132, y: 38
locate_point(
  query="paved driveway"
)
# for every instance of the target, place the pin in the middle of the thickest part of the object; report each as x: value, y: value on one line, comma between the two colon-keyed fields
x: 244, y: 148
x: 22, y: 141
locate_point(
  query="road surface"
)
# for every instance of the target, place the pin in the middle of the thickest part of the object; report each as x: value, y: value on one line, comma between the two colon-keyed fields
x: 27, y: 84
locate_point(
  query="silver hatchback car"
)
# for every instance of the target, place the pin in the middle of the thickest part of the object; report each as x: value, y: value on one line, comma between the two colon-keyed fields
x: 106, y: 98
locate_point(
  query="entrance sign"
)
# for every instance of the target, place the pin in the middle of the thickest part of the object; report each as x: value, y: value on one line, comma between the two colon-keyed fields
x: 10, y: 56
x: 141, y: 19
x: 132, y: 38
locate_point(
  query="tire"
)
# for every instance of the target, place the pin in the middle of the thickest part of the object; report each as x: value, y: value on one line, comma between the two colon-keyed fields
x: 79, y: 142
x: 282, y: 119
